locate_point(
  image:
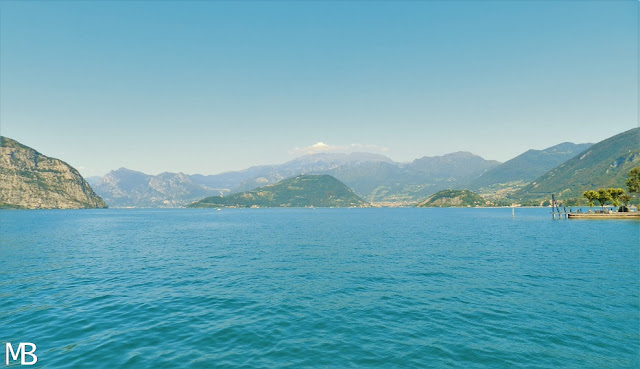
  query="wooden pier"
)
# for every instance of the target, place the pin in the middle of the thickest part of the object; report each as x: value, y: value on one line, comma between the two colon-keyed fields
x: 614, y: 215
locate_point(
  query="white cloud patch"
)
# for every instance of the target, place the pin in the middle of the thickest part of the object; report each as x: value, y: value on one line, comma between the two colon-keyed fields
x: 320, y: 147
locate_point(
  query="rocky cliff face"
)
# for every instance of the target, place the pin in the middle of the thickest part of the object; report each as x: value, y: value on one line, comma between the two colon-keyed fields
x: 30, y: 180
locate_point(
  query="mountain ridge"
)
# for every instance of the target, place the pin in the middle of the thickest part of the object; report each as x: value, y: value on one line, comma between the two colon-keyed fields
x: 31, y: 180
x: 528, y: 165
x: 604, y: 164
x: 129, y: 188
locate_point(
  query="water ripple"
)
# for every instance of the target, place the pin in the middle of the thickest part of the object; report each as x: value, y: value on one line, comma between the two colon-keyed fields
x: 323, y: 288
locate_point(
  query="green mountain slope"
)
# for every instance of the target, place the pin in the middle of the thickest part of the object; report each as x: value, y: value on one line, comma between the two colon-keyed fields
x: 604, y: 164
x: 453, y: 198
x: 30, y: 180
x: 300, y: 191
x: 529, y: 165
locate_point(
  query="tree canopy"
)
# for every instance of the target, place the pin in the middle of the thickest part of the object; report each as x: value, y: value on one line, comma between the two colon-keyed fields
x: 603, y: 196
x: 615, y: 194
x: 591, y: 196
x: 625, y: 199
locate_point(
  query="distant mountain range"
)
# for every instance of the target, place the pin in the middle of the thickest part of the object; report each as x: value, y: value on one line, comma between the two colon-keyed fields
x: 605, y: 164
x: 129, y: 188
x: 31, y: 180
x: 372, y: 176
x: 299, y: 191
x: 380, y: 180
x: 321, y: 163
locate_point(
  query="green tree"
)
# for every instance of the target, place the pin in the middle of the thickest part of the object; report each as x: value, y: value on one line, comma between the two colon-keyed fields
x: 591, y: 196
x: 615, y: 194
x: 633, y: 180
x: 624, y: 198
x: 603, y: 197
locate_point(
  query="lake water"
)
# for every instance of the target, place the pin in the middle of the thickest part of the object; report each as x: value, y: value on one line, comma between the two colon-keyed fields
x: 322, y: 288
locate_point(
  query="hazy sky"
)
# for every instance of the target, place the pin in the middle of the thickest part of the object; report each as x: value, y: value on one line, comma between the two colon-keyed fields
x: 205, y: 87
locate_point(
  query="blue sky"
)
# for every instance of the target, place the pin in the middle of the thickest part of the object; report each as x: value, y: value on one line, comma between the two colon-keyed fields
x: 206, y: 87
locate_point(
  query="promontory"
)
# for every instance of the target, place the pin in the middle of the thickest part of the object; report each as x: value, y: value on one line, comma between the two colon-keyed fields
x: 30, y: 180
x: 453, y: 198
x: 300, y: 191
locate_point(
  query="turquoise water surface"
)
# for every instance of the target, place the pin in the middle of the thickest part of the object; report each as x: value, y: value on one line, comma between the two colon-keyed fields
x: 321, y: 288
